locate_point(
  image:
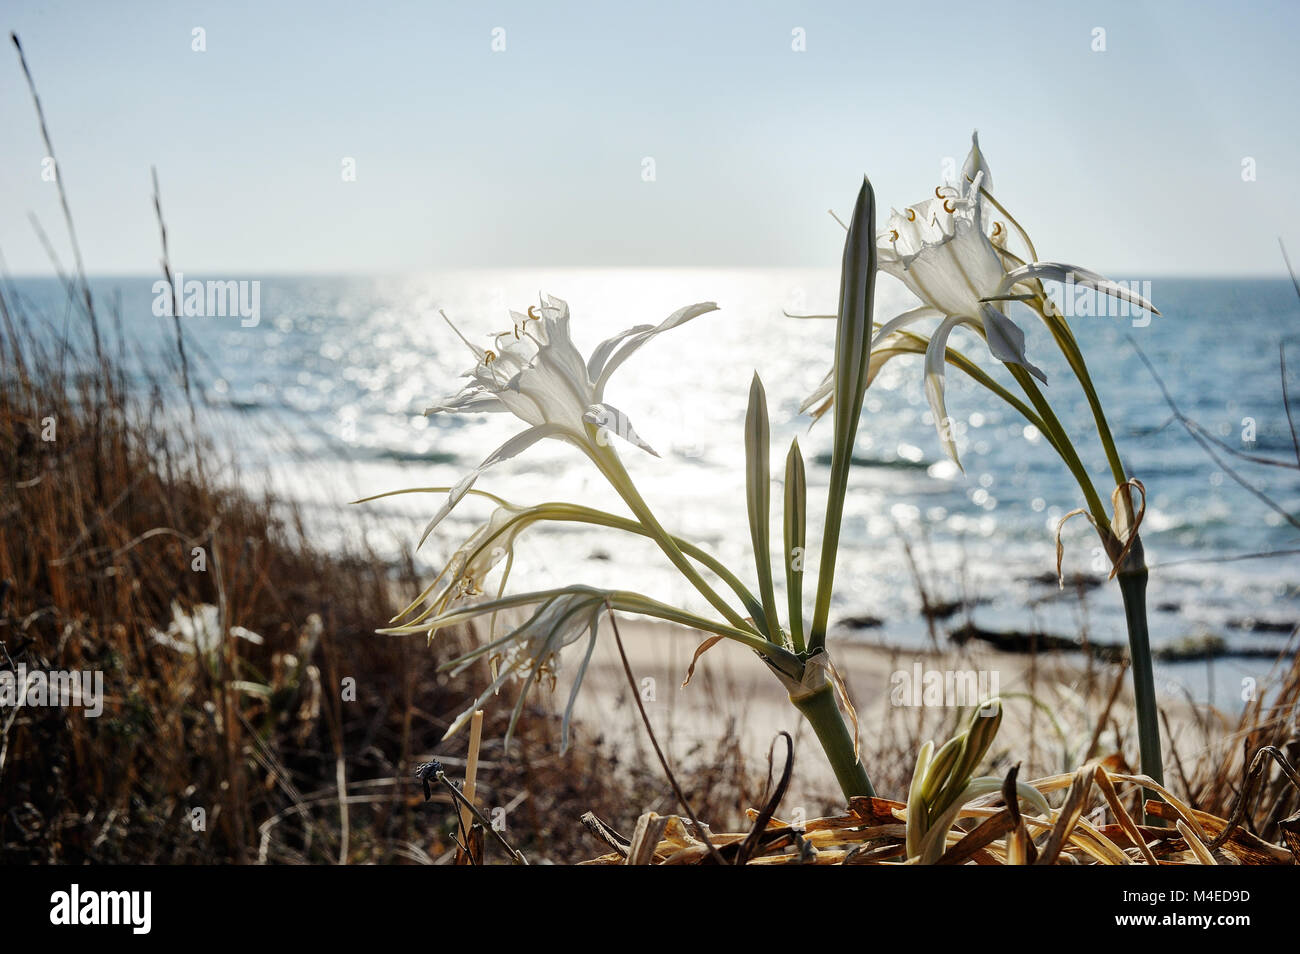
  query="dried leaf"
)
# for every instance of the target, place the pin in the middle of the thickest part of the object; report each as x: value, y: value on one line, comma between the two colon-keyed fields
x: 700, y: 650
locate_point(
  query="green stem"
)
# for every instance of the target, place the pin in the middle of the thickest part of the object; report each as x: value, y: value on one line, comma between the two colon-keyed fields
x: 576, y: 513
x: 778, y: 656
x: 612, y: 467
x: 830, y: 546
x: 1133, y: 586
x: 1070, y: 348
x: 853, y: 332
x: 1133, y: 573
x: 836, y: 740
x: 623, y: 600
x: 1061, y: 441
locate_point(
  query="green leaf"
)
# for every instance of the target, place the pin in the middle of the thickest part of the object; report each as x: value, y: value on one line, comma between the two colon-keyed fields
x: 963, y: 753
x: 940, y: 767
x: 852, y: 357
x: 916, y: 807
x: 979, y: 736
x: 796, y: 529
x: 758, y: 488
x: 935, y: 839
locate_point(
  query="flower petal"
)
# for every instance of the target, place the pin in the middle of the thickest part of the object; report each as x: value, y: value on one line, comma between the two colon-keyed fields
x: 559, y: 348
x: 471, y: 400
x: 609, y: 419
x: 1006, y: 340
x: 577, y: 684
x: 822, y: 392
x: 1073, y: 274
x: 520, y: 442
x: 596, y: 363
x: 976, y: 163
x: 935, y: 355
x: 903, y: 320
x: 632, y: 339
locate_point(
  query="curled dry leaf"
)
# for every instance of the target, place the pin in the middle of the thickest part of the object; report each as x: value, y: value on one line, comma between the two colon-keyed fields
x: 700, y: 650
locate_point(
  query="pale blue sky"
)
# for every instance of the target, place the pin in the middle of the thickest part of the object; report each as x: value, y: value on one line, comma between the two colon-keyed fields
x: 1129, y: 160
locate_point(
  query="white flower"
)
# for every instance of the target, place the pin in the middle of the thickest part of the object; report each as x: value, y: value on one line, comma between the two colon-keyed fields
x: 940, y: 250
x: 535, y: 372
x: 461, y: 579
x: 532, y: 651
x: 951, y: 252
x: 199, y: 631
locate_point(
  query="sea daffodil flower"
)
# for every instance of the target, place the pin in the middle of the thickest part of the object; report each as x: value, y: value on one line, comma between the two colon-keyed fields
x: 535, y: 372
x: 464, y: 573
x: 532, y: 651
x: 560, y: 617
x: 950, y: 250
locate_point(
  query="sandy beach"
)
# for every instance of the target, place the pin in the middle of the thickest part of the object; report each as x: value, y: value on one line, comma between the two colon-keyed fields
x: 732, y: 693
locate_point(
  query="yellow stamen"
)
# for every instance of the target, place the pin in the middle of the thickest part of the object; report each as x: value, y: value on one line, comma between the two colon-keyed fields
x: 946, y: 203
x: 893, y: 235
x: 911, y: 215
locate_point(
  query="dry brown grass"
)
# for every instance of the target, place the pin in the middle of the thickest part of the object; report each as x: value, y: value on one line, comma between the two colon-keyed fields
x: 1230, y: 811
x: 96, y: 541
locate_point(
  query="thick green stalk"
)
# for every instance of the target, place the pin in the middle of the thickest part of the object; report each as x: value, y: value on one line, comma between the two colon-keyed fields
x: 758, y: 494
x: 1132, y: 578
x: 852, y: 357
x: 836, y: 740
x: 1132, y: 574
